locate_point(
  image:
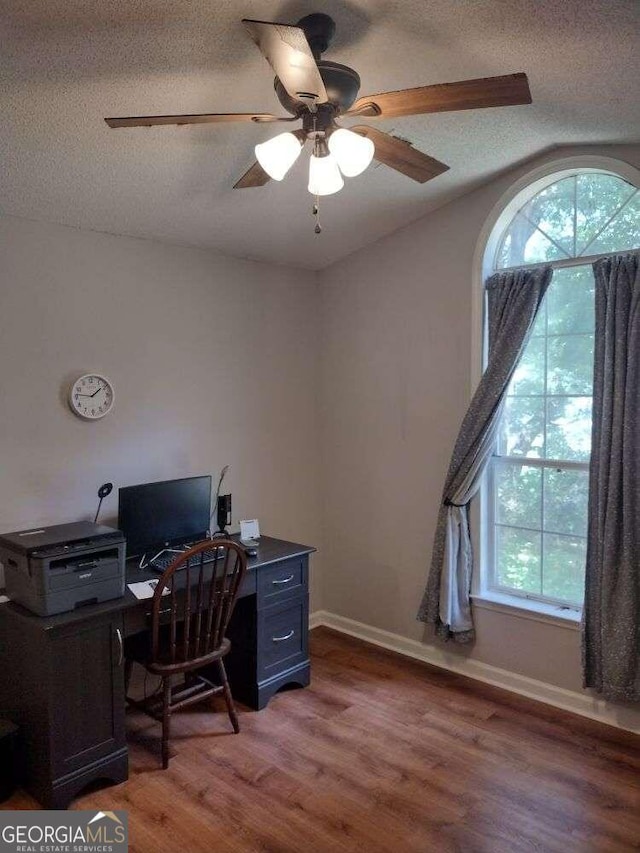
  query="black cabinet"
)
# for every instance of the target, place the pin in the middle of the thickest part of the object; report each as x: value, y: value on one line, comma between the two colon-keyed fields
x: 62, y: 679
x: 63, y: 685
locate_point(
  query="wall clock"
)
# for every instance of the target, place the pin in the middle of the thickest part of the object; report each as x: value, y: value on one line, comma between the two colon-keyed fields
x: 91, y: 396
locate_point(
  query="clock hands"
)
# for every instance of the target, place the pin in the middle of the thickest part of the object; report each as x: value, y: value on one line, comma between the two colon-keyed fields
x: 86, y: 399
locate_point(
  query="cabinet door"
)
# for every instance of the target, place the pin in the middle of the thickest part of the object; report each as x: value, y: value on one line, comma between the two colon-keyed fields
x: 86, y: 693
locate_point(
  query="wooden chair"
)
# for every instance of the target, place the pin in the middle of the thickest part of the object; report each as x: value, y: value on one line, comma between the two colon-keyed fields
x: 191, y: 608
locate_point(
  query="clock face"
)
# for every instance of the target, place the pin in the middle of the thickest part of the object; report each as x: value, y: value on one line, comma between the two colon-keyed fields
x: 91, y: 396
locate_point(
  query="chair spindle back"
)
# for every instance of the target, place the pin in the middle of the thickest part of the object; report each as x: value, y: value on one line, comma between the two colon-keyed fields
x: 193, y: 602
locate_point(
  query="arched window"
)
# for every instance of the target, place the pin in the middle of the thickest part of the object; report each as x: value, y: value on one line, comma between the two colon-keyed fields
x: 535, y: 517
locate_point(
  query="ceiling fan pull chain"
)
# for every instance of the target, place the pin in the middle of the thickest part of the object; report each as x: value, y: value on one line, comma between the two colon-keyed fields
x: 316, y: 204
x: 316, y: 213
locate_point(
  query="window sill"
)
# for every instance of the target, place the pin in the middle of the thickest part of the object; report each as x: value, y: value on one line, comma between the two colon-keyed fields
x: 525, y: 608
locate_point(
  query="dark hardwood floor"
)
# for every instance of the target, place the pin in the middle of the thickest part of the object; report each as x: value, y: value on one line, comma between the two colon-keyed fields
x: 380, y: 753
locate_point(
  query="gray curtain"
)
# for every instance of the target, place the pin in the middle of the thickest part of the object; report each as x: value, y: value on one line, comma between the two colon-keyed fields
x: 611, y: 616
x: 513, y: 300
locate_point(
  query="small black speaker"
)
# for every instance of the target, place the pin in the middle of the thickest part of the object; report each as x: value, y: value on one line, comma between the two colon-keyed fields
x: 223, y: 511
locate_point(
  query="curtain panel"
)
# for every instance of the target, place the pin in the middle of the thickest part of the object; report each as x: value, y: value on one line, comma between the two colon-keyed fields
x: 611, y: 615
x: 513, y: 300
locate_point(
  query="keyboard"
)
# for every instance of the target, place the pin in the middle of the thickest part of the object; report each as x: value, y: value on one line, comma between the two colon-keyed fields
x: 164, y: 560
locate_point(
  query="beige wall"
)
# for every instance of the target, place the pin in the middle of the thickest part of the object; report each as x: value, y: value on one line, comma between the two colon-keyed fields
x: 214, y: 360
x: 396, y: 380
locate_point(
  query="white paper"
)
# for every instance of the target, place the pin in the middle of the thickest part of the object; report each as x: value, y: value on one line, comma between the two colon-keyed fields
x: 4, y: 599
x: 145, y: 589
x: 249, y: 530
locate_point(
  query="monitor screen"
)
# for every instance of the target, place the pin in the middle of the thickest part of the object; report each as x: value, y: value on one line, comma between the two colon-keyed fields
x: 171, y: 512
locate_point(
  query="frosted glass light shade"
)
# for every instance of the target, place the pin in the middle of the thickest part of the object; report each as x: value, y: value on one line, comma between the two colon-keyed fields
x: 352, y: 151
x: 324, y: 175
x: 277, y: 155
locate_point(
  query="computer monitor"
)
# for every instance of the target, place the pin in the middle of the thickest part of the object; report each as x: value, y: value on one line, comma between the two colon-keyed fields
x: 157, y: 515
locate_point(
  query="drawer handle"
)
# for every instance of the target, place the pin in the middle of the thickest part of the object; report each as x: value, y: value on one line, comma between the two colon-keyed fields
x: 282, y: 639
x: 121, y: 647
x: 283, y: 580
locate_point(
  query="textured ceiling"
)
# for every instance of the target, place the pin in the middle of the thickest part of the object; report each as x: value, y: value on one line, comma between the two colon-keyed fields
x: 65, y: 64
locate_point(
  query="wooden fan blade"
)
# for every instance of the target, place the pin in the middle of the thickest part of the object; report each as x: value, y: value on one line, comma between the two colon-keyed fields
x: 287, y: 51
x: 198, y: 118
x: 444, y: 97
x: 253, y: 177
x: 401, y: 155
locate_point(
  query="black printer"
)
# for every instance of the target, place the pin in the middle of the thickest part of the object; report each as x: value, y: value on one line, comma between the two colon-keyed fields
x: 52, y: 570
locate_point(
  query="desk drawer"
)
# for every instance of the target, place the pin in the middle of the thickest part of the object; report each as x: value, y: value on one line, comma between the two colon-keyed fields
x: 282, y: 581
x: 283, y: 638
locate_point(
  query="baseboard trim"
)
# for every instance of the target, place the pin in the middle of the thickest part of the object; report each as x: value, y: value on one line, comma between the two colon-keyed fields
x: 568, y: 700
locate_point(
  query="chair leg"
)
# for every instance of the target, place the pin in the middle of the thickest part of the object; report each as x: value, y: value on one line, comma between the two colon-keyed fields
x: 166, y: 720
x: 228, y: 698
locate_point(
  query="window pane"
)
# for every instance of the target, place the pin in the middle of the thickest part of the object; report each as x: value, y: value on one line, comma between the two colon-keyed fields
x: 599, y: 197
x: 528, y: 377
x: 570, y: 301
x: 552, y: 210
x: 518, y: 559
x: 523, y: 243
x: 569, y: 428
x: 570, y: 364
x: 521, y: 430
x: 588, y: 214
x: 540, y: 323
x: 518, y: 495
x: 565, y: 501
x: 564, y: 562
x: 622, y: 233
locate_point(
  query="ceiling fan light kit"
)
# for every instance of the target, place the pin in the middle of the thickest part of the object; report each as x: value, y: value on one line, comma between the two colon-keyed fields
x: 277, y: 155
x: 347, y: 152
x: 352, y: 151
x: 318, y: 92
x: 324, y: 175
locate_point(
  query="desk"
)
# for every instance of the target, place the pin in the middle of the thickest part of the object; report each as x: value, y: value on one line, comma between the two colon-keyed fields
x: 61, y: 677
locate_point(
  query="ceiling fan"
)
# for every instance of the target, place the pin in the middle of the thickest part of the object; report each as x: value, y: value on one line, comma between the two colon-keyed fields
x: 317, y: 92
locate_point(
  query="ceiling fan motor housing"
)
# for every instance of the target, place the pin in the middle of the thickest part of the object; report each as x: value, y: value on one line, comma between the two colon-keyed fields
x: 341, y: 82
